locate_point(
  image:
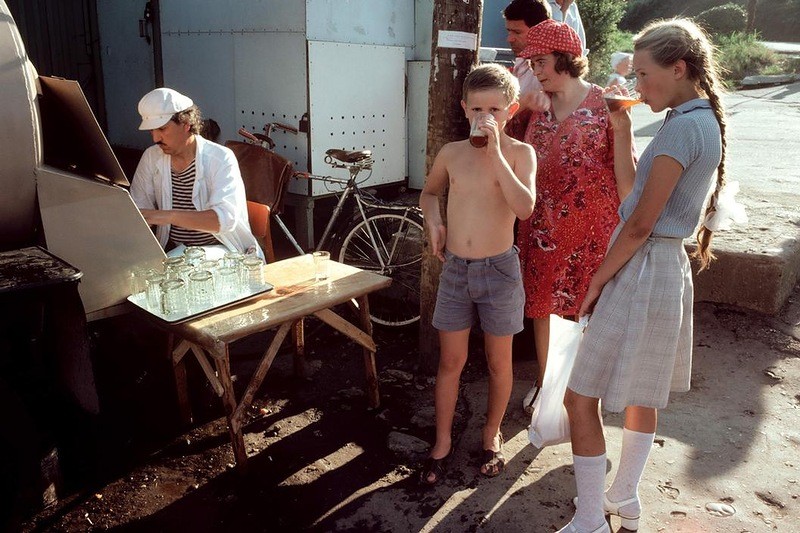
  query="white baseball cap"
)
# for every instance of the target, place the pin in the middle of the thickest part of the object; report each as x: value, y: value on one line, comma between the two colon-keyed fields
x: 158, y: 106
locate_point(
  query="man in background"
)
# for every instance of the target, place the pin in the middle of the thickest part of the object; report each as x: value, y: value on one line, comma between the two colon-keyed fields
x: 566, y: 11
x: 520, y: 16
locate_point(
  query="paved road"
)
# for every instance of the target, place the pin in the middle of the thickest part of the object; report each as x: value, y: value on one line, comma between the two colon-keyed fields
x: 782, y: 48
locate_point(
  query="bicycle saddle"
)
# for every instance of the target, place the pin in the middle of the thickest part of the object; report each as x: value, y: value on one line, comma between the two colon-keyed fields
x: 346, y: 156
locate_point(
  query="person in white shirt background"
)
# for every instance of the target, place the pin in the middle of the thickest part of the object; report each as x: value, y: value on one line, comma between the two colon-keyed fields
x: 566, y: 11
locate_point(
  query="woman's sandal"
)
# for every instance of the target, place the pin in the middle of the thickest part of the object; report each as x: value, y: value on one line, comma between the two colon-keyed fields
x: 435, y: 467
x: 493, y: 462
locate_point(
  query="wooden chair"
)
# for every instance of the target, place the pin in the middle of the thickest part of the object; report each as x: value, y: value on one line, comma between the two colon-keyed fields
x: 260, y: 226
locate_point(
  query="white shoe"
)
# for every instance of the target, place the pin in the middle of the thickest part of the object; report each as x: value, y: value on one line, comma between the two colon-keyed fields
x: 569, y: 528
x: 530, y: 398
x: 629, y: 520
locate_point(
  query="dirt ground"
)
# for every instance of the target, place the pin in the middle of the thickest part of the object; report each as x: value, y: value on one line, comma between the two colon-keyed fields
x: 320, y: 461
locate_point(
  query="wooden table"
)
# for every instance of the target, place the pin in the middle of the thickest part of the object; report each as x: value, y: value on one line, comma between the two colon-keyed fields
x: 295, y: 296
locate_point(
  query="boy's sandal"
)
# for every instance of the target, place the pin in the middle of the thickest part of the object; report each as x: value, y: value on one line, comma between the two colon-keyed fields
x: 434, y: 467
x: 494, y: 462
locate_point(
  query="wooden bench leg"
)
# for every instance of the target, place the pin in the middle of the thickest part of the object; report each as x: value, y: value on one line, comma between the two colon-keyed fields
x: 229, y: 401
x: 373, y: 394
x: 181, y: 387
x: 299, y: 341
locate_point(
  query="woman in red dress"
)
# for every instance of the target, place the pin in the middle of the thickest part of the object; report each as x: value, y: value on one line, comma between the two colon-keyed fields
x: 577, y: 194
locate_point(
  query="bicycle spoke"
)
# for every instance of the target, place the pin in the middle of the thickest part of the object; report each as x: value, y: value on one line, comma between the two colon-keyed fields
x: 396, y: 252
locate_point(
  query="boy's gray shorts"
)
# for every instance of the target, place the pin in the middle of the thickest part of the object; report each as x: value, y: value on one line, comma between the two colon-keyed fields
x: 490, y: 287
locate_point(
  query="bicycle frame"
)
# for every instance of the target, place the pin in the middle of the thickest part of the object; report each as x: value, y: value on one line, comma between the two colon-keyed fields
x: 351, y: 189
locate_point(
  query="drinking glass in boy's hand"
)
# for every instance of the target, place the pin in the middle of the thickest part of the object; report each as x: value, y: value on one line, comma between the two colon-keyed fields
x: 477, y: 137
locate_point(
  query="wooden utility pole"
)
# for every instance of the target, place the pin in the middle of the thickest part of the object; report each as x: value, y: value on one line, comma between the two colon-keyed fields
x: 751, y: 16
x: 454, y: 50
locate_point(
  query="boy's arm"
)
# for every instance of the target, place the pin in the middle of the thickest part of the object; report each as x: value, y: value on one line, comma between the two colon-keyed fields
x: 517, y: 184
x: 435, y: 185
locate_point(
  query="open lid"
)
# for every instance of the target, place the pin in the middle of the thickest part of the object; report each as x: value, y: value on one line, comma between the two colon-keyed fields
x: 71, y: 137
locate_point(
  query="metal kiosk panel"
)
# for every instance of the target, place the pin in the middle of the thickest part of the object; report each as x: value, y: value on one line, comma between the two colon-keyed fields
x: 89, y: 220
x: 357, y: 111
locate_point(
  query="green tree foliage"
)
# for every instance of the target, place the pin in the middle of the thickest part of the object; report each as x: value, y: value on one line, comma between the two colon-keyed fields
x: 740, y: 54
x: 723, y: 20
x: 775, y: 20
x: 601, y: 19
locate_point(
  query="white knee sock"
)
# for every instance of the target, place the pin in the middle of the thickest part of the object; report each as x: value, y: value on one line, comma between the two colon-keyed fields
x: 636, y: 448
x: 590, y: 477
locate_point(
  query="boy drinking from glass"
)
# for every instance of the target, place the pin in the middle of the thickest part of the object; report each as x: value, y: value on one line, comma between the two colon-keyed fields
x: 488, y: 187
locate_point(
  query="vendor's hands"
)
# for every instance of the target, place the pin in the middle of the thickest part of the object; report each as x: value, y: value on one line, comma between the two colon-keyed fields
x: 154, y: 217
x: 438, y: 239
x: 535, y: 101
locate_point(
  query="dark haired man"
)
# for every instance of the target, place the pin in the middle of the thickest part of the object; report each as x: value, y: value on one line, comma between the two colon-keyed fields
x: 188, y: 187
x: 520, y: 16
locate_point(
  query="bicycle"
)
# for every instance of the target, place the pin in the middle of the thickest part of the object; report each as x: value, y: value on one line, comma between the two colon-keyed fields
x: 379, y: 236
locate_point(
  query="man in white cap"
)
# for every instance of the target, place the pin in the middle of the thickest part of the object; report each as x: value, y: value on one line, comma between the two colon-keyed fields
x: 188, y: 187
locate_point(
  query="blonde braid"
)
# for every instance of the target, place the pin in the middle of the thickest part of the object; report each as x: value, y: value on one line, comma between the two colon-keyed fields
x: 704, y: 235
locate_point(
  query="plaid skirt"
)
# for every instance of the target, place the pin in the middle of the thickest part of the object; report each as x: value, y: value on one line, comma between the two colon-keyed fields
x: 637, y: 347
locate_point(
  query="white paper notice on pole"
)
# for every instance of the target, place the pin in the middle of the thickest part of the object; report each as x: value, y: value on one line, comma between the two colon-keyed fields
x: 457, y: 39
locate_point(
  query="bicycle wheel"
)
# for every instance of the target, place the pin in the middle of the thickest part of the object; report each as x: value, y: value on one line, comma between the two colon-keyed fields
x: 399, y: 237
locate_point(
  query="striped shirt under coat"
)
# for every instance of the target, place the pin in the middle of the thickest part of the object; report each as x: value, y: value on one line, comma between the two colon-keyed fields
x: 218, y: 186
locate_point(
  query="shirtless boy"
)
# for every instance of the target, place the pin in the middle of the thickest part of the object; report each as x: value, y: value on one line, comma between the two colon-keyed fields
x: 487, y: 188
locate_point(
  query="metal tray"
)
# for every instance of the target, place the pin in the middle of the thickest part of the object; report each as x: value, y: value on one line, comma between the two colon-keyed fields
x: 140, y: 301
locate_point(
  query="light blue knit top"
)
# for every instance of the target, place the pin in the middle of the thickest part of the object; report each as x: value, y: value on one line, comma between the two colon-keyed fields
x: 691, y: 136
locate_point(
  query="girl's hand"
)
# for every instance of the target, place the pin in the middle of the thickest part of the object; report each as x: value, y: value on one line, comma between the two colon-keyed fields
x: 620, y: 120
x: 591, y: 298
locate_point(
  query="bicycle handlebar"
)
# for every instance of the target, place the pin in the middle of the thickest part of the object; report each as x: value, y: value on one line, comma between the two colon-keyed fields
x: 248, y: 135
x: 280, y: 126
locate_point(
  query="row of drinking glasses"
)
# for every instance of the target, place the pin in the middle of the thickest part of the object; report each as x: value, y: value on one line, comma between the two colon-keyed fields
x: 191, y: 283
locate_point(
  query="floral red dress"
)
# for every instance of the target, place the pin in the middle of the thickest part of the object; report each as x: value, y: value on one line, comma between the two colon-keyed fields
x: 563, y: 243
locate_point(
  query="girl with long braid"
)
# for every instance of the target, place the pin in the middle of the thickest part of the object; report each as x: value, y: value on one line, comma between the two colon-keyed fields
x: 638, y: 343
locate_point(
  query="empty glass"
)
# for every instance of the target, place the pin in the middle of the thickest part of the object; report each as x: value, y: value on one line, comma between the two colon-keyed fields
x: 227, y: 283
x: 153, y: 290
x: 139, y: 280
x: 172, y: 262
x: 233, y: 259
x: 322, y: 262
x: 173, y: 297
x: 254, y: 272
x: 209, y: 264
x: 201, y: 289
x: 194, y: 255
